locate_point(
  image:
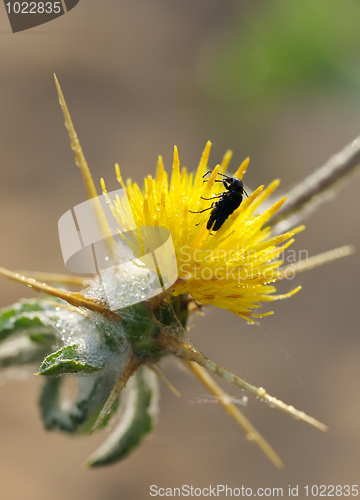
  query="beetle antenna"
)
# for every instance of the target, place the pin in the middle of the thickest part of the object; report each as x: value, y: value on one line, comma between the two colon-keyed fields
x: 215, y: 196
x: 224, y: 175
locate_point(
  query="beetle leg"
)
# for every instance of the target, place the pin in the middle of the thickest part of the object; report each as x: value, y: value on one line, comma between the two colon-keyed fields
x: 201, y: 211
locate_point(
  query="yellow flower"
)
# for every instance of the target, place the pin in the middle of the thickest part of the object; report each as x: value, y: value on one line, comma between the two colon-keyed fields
x: 232, y: 268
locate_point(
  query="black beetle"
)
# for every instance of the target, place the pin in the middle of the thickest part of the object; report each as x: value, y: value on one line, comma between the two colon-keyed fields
x: 228, y: 201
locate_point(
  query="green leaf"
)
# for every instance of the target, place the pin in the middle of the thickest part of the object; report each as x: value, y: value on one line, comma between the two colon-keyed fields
x: 27, y: 332
x: 137, y: 418
x: 20, y: 350
x: 42, y: 338
x: 69, y: 359
x: 27, y: 316
x: 79, y: 416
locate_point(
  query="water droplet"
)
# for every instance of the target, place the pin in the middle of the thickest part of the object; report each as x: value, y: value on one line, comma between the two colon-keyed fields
x: 261, y: 392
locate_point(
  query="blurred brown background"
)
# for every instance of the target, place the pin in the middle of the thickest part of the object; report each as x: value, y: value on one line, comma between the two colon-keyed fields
x: 265, y: 79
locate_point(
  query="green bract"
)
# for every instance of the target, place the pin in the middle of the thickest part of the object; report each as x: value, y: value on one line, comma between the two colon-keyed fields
x: 95, y: 349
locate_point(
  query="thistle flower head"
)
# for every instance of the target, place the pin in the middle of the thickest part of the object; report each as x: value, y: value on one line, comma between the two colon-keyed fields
x: 233, y: 267
x: 227, y: 254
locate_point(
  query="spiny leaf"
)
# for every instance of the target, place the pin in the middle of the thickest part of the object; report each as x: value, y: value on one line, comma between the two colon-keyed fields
x: 137, y: 418
x: 20, y: 351
x: 79, y: 416
x: 27, y: 316
x: 69, y: 359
